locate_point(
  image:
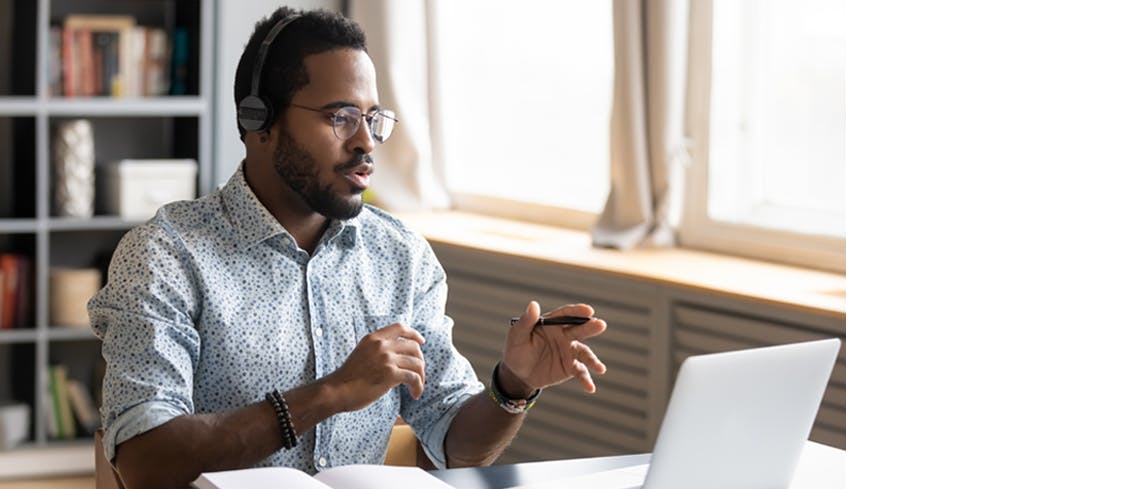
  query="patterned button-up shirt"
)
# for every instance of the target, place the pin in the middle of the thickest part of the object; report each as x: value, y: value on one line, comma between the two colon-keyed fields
x: 211, y: 304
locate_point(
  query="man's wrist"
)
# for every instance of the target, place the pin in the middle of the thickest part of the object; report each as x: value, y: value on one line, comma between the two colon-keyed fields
x: 512, y: 386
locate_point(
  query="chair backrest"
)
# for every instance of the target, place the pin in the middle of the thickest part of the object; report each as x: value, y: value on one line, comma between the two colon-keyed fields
x: 403, y: 450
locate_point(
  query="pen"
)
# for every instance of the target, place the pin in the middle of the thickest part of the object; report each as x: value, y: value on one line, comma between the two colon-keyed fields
x: 557, y: 321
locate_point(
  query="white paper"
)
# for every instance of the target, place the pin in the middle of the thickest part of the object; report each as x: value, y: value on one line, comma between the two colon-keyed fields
x: 275, y: 477
x: 343, y: 477
x: 379, y: 477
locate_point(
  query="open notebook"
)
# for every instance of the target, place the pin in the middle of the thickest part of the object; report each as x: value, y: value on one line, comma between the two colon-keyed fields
x: 343, y: 477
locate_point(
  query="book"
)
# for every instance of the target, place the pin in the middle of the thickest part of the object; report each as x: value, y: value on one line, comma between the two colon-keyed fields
x: 9, y: 289
x: 47, y: 408
x: 64, y: 417
x: 179, y: 62
x: 156, y: 74
x: 3, y: 306
x: 83, y: 406
x: 343, y: 477
x: 23, y: 303
x: 15, y: 291
x: 93, y: 63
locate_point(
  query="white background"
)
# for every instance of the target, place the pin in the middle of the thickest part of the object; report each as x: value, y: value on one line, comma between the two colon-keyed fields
x: 993, y: 253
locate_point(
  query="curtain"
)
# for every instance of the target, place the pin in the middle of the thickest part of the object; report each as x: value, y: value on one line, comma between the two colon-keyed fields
x: 648, y: 149
x: 406, y: 175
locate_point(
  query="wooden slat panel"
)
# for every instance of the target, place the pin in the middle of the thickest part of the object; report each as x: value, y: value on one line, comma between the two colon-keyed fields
x: 833, y: 417
x: 531, y: 449
x: 826, y: 436
x: 589, y: 425
x: 598, y: 405
x: 745, y: 331
x: 483, y: 316
x: 835, y: 394
x: 507, y: 298
x: 575, y: 444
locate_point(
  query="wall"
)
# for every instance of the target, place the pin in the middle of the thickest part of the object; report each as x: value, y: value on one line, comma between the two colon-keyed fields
x: 235, y: 21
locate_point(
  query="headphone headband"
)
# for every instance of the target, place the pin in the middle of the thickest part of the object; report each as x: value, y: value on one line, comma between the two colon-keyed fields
x: 263, y: 51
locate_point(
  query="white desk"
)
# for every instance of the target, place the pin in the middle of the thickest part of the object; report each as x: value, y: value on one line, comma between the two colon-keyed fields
x: 820, y: 467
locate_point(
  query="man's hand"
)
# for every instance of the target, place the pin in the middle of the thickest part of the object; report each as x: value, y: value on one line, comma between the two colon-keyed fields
x: 383, y: 359
x: 542, y: 356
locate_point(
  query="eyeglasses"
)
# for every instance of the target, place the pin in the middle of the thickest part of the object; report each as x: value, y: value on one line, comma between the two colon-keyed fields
x: 346, y: 121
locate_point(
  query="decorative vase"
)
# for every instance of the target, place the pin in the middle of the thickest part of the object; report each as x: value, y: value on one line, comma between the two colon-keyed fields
x: 73, y: 165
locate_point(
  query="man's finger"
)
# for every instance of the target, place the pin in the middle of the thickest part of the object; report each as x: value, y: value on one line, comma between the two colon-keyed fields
x: 399, y: 330
x: 527, y: 321
x: 580, y: 310
x: 583, y: 375
x: 414, y: 381
x: 406, y: 346
x: 587, y: 356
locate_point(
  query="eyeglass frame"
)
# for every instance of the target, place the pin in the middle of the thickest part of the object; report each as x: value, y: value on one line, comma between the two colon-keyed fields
x: 367, y: 116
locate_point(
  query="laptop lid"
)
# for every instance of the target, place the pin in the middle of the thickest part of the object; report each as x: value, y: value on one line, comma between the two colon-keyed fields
x: 740, y: 419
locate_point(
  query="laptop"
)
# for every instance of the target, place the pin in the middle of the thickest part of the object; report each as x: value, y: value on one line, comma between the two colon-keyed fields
x: 743, y: 416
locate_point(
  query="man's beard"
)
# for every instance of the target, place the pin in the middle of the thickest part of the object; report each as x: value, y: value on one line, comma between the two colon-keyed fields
x: 299, y: 170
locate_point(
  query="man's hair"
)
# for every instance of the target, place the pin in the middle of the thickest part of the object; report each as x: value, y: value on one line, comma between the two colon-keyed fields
x: 283, y: 72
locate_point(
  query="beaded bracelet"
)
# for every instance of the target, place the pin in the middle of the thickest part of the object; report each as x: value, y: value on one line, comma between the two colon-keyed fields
x: 513, y: 406
x: 283, y: 418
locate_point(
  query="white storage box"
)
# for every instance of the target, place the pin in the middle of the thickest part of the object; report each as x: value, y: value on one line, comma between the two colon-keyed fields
x: 135, y: 189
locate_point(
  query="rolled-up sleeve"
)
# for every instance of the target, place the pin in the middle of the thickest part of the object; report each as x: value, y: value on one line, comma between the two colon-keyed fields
x: 450, y: 380
x: 151, y: 347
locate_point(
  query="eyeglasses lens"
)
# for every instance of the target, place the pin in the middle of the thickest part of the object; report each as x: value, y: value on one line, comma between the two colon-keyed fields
x: 346, y: 121
x: 381, y: 125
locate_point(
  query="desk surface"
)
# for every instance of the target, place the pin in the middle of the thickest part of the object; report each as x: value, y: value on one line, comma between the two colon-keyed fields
x: 820, y: 467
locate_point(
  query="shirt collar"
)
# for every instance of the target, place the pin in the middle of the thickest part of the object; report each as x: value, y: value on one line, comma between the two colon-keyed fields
x: 253, y: 223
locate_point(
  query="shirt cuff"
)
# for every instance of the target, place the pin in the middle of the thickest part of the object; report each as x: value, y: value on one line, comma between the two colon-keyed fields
x: 433, y: 443
x: 135, y: 421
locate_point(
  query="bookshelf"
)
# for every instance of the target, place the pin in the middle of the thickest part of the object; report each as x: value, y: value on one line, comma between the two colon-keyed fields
x: 129, y: 125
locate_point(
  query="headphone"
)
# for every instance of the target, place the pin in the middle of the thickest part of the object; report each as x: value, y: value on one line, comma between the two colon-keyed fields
x: 255, y: 114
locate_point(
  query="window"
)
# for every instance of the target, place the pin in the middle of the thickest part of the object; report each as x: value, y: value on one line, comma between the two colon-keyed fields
x: 524, y: 93
x: 525, y: 90
x: 770, y: 89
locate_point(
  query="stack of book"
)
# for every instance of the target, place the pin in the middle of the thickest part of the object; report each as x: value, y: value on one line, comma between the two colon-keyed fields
x: 15, y: 291
x: 110, y: 55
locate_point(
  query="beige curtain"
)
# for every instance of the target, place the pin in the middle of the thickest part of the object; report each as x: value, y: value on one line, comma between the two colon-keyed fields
x: 648, y: 148
x: 407, y: 176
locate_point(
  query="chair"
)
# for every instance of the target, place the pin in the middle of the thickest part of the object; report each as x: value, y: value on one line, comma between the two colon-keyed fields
x: 403, y: 450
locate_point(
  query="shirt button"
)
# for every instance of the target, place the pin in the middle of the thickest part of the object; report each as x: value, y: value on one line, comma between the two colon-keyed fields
x: 319, y: 332
x: 322, y: 462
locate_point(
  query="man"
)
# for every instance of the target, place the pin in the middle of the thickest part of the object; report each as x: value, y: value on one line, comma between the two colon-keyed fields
x: 279, y: 321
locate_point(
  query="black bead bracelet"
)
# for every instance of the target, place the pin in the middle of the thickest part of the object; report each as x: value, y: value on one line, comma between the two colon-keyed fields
x: 283, y: 418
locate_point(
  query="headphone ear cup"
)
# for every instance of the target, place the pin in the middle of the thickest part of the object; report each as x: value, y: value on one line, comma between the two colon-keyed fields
x: 254, y: 114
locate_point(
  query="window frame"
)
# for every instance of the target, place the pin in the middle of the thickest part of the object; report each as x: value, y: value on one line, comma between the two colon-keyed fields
x: 697, y: 229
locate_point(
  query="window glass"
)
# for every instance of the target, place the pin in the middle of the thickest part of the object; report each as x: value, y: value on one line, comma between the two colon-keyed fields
x: 525, y: 93
x: 777, y: 115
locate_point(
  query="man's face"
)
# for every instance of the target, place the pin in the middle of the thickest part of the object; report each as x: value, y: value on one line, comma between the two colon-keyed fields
x: 329, y: 173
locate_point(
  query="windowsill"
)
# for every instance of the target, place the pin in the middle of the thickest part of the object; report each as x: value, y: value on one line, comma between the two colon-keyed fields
x: 789, y: 286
